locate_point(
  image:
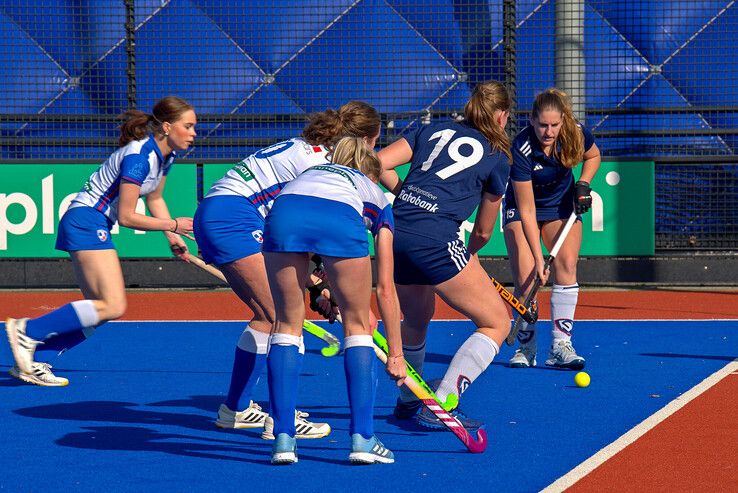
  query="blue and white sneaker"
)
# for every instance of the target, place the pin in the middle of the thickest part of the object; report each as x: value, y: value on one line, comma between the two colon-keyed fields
x: 563, y: 355
x: 284, y: 449
x: 524, y: 357
x: 429, y: 420
x: 369, y: 451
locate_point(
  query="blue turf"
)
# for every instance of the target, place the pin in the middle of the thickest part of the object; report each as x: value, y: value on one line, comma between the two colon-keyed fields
x: 138, y: 413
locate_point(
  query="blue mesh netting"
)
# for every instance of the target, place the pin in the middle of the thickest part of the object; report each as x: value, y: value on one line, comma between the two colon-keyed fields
x: 659, y: 76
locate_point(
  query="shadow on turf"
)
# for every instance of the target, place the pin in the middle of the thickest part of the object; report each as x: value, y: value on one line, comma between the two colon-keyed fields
x: 139, y: 439
x: 690, y: 356
x: 115, y: 412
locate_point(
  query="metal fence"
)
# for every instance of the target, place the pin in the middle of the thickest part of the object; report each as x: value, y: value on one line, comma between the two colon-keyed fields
x: 652, y: 79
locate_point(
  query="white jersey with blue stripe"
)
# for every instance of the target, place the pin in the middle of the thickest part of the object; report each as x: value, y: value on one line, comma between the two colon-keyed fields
x: 139, y: 162
x: 261, y: 176
x: 349, y: 186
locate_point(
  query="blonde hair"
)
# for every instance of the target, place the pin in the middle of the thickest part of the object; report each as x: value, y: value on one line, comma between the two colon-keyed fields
x: 353, y: 119
x: 488, y: 97
x: 351, y: 152
x: 571, y: 138
x: 137, y: 124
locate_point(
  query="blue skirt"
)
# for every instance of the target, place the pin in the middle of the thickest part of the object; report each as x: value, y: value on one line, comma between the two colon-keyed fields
x: 300, y: 223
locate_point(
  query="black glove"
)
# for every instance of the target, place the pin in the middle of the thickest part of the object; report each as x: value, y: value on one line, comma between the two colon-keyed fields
x: 316, y: 292
x: 582, y: 197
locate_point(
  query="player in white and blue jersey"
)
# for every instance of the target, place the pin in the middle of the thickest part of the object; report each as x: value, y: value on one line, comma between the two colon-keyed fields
x: 327, y: 210
x: 229, y: 229
x: 454, y: 168
x: 540, y: 196
x: 148, y: 148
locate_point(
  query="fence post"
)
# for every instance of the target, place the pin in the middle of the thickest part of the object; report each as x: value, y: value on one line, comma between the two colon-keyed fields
x: 130, y: 27
x: 570, y: 69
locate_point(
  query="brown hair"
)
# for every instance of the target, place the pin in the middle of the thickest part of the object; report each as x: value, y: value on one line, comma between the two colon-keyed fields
x: 353, y: 119
x: 486, y: 98
x: 351, y: 152
x: 137, y: 124
x: 571, y: 138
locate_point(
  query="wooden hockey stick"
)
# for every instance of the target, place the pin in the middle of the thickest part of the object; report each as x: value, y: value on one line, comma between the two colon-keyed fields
x: 334, y: 345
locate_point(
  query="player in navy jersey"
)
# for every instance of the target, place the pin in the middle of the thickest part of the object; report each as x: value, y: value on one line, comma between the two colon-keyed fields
x: 327, y: 210
x: 455, y: 167
x: 229, y: 228
x: 148, y: 147
x: 540, y: 196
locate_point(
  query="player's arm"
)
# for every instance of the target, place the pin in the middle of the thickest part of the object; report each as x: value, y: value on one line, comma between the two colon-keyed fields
x: 590, y: 163
x: 128, y: 217
x: 489, y: 209
x: 158, y: 208
x: 392, y: 156
x: 527, y: 208
x: 389, y: 304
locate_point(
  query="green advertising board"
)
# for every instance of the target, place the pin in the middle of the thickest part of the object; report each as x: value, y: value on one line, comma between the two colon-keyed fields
x: 34, y: 196
x: 621, y: 221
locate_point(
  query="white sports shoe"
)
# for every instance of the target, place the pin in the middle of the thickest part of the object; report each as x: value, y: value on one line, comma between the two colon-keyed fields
x: 41, y: 375
x: 22, y: 346
x: 251, y: 417
x: 303, y: 427
x: 524, y: 357
x: 563, y: 355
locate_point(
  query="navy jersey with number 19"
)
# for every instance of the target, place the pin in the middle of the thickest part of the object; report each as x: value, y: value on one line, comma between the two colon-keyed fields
x: 453, y: 165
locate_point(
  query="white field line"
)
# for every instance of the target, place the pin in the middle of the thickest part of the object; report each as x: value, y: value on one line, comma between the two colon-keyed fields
x: 639, y: 430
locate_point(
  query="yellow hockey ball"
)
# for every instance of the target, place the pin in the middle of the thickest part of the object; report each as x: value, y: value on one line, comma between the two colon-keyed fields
x: 581, y: 379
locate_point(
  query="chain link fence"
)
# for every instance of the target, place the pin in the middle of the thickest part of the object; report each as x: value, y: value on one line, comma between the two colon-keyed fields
x: 653, y: 79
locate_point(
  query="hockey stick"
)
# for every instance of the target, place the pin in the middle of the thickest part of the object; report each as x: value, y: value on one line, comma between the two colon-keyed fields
x: 452, y: 400
x: 211, y: 269
x: 530, y: 303
x: 528, y: 315
x: 334, y: 345
x: 475, y: 446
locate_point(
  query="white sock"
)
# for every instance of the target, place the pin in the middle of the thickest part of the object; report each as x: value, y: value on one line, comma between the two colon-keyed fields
x: 360, y: 340
x: 415, y: 355
x: 86, y: 312
x: 472, y: 358
x: 253, y: 341
x: 286, y: 340
x: 563, y: 305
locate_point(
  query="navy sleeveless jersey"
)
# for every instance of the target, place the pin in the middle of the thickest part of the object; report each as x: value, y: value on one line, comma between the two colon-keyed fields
x: 553, y: 184
x: 452, y: 165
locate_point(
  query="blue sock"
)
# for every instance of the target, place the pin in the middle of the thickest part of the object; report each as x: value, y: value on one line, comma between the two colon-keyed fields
x: 248, y: 364
x: 247, y: 368
x: 55, y: 344
x: 361, y: 380
x: 70, y: 317
x: 284, y: 364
